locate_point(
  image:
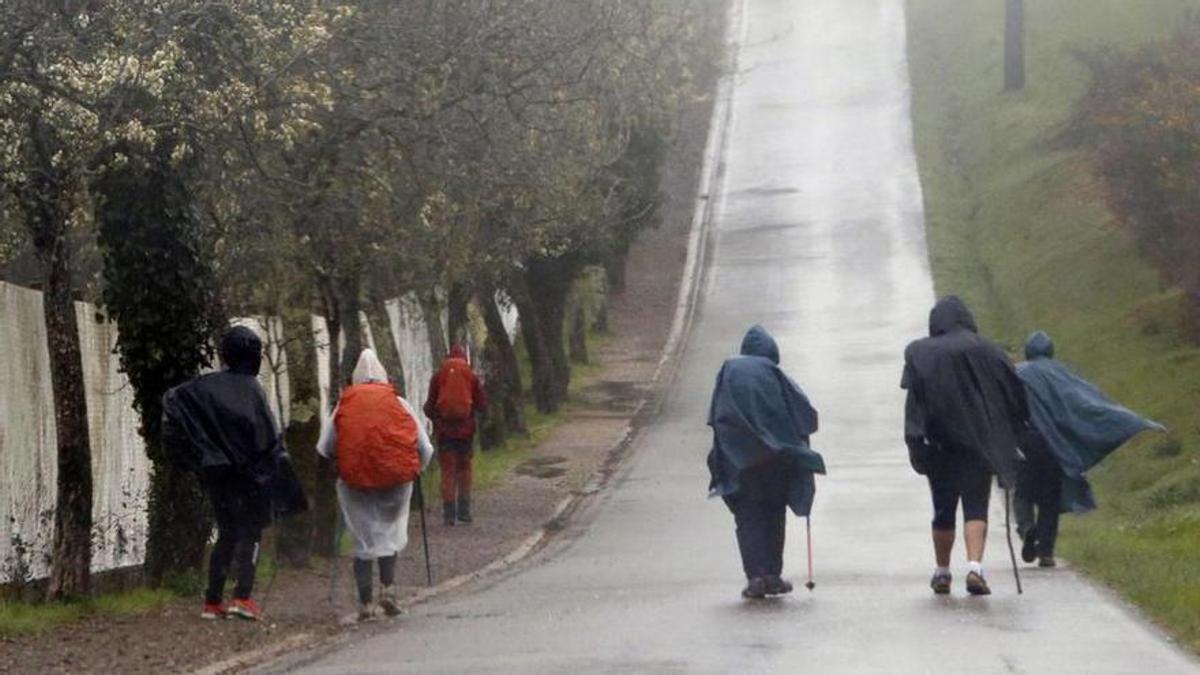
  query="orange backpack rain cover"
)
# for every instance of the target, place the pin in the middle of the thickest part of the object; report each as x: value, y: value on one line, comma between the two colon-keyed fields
x: 455, y: 390
x: 376, y: 438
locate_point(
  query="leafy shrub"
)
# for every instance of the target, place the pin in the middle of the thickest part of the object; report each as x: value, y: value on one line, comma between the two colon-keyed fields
x: 1141, y: 117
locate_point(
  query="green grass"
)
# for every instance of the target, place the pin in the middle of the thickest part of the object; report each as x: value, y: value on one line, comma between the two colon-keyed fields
x: 1017, y: 226
x: 22, y: 618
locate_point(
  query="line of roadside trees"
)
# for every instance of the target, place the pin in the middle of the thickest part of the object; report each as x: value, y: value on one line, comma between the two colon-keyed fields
x: 290, y: 157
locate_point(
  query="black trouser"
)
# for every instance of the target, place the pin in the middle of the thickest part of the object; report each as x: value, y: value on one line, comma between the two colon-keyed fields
x: 242, y: 510
x: 1038, y: 501
x: 760, y: 510
x: 362, y: 575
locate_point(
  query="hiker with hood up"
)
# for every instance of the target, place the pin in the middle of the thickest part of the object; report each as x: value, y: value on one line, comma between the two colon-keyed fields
x: 964, y: 415
x: 1075, y: 426
x: 761, y: 462
x: 455, y: 397
x: 380, y: 448
x: 220, y: 426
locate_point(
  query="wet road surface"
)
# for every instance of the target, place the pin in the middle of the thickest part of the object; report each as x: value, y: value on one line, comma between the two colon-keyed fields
x: 818, y: 236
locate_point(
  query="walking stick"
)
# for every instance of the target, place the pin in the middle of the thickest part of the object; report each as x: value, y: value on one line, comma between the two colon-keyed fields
x: 1008, y: 535
x: 810, y: 584
x: 424, y: 531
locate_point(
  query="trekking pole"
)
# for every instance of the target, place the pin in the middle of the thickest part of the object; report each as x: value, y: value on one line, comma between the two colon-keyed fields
x: 810, y: 584
x: 424, y: 531
x: 1008, y: 535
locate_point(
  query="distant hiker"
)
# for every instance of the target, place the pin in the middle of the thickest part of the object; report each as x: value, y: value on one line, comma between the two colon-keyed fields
x: 221, y: 426
x: 760, y: 461
x: 455, y: 396
x: 380, y: 448
x: 966, y: 408
x: 1075, y: 426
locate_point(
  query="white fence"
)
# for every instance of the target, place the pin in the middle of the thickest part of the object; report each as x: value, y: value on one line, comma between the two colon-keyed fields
x: 120, y: 469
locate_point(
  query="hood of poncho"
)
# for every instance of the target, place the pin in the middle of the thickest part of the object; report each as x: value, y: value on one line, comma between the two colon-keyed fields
x: 241, y: 351
x: 951, y: 314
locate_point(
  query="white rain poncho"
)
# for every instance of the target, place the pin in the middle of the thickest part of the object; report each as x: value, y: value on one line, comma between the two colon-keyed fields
x: 378, y: 519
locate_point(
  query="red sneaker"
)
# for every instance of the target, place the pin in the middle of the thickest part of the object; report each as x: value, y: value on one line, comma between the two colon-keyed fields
x: 245, y: 608
x: 213, y: 610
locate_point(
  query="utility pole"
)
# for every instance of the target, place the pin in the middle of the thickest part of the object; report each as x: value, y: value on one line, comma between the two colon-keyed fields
x: 1014, y: 45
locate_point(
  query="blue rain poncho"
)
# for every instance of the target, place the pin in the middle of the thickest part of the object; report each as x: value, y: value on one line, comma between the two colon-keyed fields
x: 1080, y: 424
x: 759, y: 413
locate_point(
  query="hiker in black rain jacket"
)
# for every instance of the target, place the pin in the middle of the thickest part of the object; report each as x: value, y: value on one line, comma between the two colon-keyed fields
x: 220, y: 426
x: 761, y: 462
x: 1075, y: 426
x: 964, y: 414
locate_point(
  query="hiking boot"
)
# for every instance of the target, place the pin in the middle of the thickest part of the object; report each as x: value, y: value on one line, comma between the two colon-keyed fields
x: 245, y: 608
x: 388, y: 601
x: 1029, y: 548
x: 213, y: 610
x: 756, y: 589
x: 366, y: 612
x: 777, y: 585
x: 464, y: 509
x: 977, y: 585
x: 1047, y: 561
x: 940, y: 583
x: 448, y: 515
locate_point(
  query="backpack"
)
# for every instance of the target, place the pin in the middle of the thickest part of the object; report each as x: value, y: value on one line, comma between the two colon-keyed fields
x: 377, y: 438
x: 455, y: 399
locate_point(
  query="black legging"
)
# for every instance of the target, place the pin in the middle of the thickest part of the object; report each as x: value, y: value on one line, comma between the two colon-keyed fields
x: 242, y: 510
x: 362, y: 575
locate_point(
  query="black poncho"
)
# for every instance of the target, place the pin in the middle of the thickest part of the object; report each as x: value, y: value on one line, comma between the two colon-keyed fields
x: 963, y: 393
x: 223, y: 419
x: 1080, y: 424
x: 758, y: 413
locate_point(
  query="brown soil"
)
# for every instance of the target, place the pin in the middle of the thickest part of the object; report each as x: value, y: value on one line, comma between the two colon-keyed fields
x: 297, y: 602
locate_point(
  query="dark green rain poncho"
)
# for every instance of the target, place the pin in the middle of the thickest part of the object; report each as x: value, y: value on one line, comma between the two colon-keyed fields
x: 1080, y: 424
x: 758, y: 413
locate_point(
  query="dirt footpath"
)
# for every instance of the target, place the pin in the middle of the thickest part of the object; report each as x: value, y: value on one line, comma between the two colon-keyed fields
x: 297, y: 602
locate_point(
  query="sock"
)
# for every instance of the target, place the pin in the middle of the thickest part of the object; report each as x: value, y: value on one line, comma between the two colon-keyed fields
x: 975, y: 566
x: 941, y: 570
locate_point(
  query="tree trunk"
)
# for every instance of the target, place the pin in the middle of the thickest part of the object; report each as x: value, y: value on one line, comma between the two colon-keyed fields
x: 160, y: 289
x: 456, y: 313
x: 43, y: 197
x: 614, y: 270
x: 177, y: 536
x: 1014, y: 45
x: 549, y: 283
x: 70, y: 565
x: 350, y: 306
x: 386, y: 344
x: 431, y: 311
x: 506, y: 414
x: 579, y: 330
x: 325, y: 512
x: 296, y: 533
x: 541, y: 367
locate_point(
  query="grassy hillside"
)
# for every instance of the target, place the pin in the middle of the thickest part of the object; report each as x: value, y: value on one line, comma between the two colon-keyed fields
x: 1017, y: 226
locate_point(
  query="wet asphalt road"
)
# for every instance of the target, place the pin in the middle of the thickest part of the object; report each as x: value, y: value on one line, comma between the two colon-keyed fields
x: 818, y: 236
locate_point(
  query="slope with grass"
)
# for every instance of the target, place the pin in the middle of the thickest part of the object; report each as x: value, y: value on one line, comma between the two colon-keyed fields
x: 1017, y: 226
